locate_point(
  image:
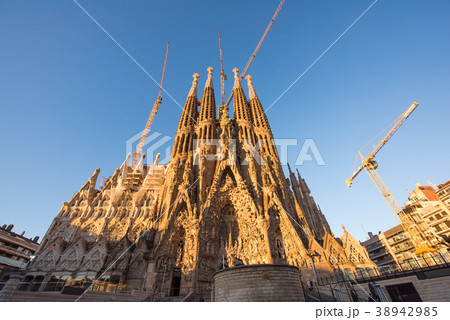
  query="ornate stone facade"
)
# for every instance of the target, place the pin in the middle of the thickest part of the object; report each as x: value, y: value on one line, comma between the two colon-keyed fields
x: 223, y: 200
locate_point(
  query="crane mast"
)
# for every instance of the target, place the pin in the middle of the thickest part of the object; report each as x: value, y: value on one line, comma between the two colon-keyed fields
x: 223, y: 77
x: 252, y: 57
x: 415, y: 228
x: 140, y: 146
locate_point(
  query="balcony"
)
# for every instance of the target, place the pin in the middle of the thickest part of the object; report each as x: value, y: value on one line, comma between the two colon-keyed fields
x: 374, y: 246
x: 377, y: 254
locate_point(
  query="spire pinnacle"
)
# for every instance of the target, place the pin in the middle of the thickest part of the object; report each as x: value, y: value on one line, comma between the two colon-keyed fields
x: 251, y: 90
x: 124, y: 167
x: 140, y: 166
x: 193, y: 91
x: 125, y: 163
x: 209, y: 82
x: 290, y: 171
x: 237, y: 81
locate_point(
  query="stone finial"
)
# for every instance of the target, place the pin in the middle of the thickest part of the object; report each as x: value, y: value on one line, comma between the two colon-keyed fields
x: 126, y: 159
x: 237, y: 81
x: 124, y: 167
x: 251, y: 90
x: 193, y: 91
x: 140, y: 166
x: 209, y: 82
x: 289, y: 167
x: 93, y: 179
x: 157, y: 159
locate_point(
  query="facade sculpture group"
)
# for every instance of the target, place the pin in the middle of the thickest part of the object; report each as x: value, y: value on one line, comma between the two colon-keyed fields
x: 222, y: 200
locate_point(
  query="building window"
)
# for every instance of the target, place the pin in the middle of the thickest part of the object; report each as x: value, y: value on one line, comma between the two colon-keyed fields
x: 36, y: 283
x: 25, y: 283
x: 55, y: 283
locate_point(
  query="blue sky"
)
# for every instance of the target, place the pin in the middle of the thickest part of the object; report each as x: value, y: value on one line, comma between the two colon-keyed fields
x: 70, y: 98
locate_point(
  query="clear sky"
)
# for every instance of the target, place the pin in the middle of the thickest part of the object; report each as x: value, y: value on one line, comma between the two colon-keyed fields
x: 70, y: 97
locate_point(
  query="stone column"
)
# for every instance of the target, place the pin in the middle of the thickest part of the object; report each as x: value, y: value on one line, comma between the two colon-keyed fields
x: 10, y: 286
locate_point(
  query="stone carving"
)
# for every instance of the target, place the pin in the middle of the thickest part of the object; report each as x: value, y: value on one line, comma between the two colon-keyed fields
x: 202, y: 216
x: 68, y: 233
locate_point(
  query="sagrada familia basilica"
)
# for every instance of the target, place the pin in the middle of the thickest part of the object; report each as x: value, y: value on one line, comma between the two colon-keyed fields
x: 223, y: 200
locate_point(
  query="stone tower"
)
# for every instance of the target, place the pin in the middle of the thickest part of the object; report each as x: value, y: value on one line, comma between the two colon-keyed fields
x: 223, y: 200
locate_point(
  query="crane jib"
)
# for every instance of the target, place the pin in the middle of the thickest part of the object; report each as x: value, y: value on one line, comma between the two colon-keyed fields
x: 148, y: 125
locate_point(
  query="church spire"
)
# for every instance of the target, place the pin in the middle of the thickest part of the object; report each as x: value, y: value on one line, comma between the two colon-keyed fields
x: 188, y: 120
x: 251, y: 89
x: 258, y: 114
x: 240, y: 104
x: 193, y: 91
x: 209, y: 82
x: 189, y: 114
x: 237, y: 81
x: 260, y: 123
x: 208, y: 103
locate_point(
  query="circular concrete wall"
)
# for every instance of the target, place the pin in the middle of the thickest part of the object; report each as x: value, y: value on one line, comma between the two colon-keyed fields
x: 263, y: 282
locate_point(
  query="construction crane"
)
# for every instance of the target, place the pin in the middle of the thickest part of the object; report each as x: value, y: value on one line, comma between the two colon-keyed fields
x: 140, y: 146
x: 422, y: 241
x: 370, y: 159
x: 223, y: 77
x: 252, y: 57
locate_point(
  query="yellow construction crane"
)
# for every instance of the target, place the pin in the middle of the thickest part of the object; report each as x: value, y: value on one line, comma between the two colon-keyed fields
x: 252, y: 57
x: 140, y: 146
x: 414, y: 226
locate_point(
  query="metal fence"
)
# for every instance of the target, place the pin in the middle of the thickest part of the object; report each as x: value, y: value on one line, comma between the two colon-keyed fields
x: 413, y: 266
x: 58, y: 286
x: 78, y: 286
